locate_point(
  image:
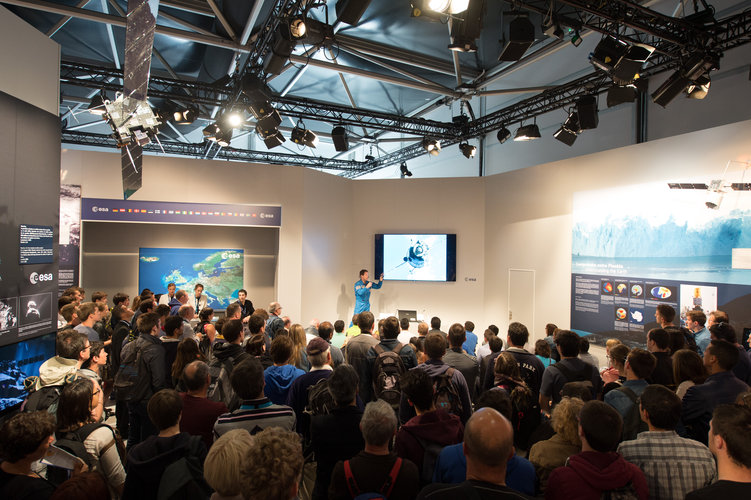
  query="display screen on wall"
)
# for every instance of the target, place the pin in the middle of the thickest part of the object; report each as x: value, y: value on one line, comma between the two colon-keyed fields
x: 636, y: 247
x: 416, y: 257
x: 18, y: 361
x: 220, y: 271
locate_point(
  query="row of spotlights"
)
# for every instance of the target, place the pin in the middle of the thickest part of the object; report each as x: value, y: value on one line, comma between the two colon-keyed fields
x: 523, y: 133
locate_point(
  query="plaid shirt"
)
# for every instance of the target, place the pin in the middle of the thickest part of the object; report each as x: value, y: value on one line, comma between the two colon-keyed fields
x: 674, y: 466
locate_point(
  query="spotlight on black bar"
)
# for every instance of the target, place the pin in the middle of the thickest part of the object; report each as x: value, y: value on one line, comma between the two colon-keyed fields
x: 432, y: 146
x: 576, y: 39
x: 623, y: 62
x: 185, y: 116
x: 271, y: 138
x: 300, y: 135
x: 565, y: 135
x: 404, y: 170
x: 694, y: 69
x: 350, y: 11
x: 618, y: 94
x: 521, y: 36
x: 282, y: 45
x: 527, y: 133
x: 468, y: 150
x: 586, y: 110
x: 503, y: 135
x: 468, y: 27
x: 700, y: 88
x: 221, y: 135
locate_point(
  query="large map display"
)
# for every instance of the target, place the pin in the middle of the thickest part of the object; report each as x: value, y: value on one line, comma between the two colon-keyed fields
x: 220, y: 271
x: 635, y: 247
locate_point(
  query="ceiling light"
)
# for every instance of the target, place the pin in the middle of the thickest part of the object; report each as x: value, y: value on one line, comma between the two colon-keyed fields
x: 527, y: 133
x: 339, y: 136
x: 699, y: 89
x: 439, y: 5
x: 586, y: 110
x: 565, y: 135
x: 297, y: 28
x: 404, y: 170
x: 503, y: 135
x: 282, y: 46
x: 432, y: 146
x: 300, y: 135
x: 224, y: 137
x: 621, y: 94
x: 96, y: 107
x: 468, y: 150
x: 350, y: 11
x: 576, y: 39
x: 466, y: 30
x: 185, y: 116
x: 271, y: 138
x: 696, y: 66
x: 521, y: 35
x: 214, y: 132
x: 621, y: 61
x: 235, y: 119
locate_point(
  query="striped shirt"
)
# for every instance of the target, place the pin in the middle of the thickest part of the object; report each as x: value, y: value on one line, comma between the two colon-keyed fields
x: 254, y: 416
x: 673, y: 466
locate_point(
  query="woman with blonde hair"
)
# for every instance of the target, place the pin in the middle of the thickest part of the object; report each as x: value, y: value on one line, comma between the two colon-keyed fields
x: 299, y: 357
x: 551, y: 453
x: 224, y: 463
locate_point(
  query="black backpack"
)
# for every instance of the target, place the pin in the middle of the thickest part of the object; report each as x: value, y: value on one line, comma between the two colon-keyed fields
x: 72, y: 442
x: 320, y: 400
x: 46, y: 397
x: 632, y: 423
x: 385, y: 490
x: 183, y: 479
x: 220, y: 388
x: 445, y: 395
x: 388, y: 368
x: 128, y: 386
x: 430, y: 452
x: 583, y: 375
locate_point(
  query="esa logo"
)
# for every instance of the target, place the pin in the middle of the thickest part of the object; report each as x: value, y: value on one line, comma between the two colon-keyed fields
x: 99, y: 209
x: 35, y: 277
x: 230, y: 255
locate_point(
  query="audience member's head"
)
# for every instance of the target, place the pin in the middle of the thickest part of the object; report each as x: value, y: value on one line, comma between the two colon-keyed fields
x: 497, y: 399
x: 666, y: 313
x: 148, y: 323
x: 658, y: 340
x: 342, y: 384
x: 338, y: 326
x: 720, y: 356
x: 77, y: 400
x: 325, y: 330
x: 164, y: 409
x: 282, y: 349
x: 256, y: 345
x: 120, y: 298
x: 696, y: 320
x: 247, y: 379
x: 579, y: 389
x: 390, y: 328
x: 610, y: 343
x: 186, y: 312
x: 404, y: 324
x: 97, y: 356
x: 469, y: 326
x: 618, y: 355
x: 717, y: 317
x: 435, y: 323
x: 365, y: 320
x: 565, y: 419
x: 688, y: 365
x: 550, y: 328
x: 506, y: 366
x: 661, y: 407
x: 729, y: 432
x: 273, y: 466
x: 27, y: 436
x: 435, y: 345
x: 70, y: 313
x: 495, y: 343
x: 642, y: 363
x: 422, y: 329
x: 723, y: 331
x: 147, y: 306
x: 206, y: 314
x: 223, y: 464
x: 457, y: 335
x: 71, y: 344
x: 90, y: 485
x: 568, y: 343
x: 488, y: 444
x: 419, y: 347
x: 418, y: 388
x: 518, y: 335
x: 162, y: 310
x: 232, y: 331
x: 319, y: 352
x: 196, y: 376
x: 542, y: 348
x: 678, y: 337
x: 256, y: 323
x: 355, y: 319
x: 187, y: 352
x: 173, y: 326
x: 600, y: 426
x: 494, y: 329
x: 234, y: 311
x: 378, y: 423
x: 583, y: 345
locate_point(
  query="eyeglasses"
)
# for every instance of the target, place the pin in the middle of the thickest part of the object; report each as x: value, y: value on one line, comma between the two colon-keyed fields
x: 87, y: 347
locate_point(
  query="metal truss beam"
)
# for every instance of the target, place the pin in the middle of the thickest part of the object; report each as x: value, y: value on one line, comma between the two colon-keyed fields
x: 198, y: 150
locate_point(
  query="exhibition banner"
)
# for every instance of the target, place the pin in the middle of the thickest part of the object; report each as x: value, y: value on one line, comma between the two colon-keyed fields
x: 220, y: 271
x: 100, y: 209
x: 70, y: 236
x: 635, y: 247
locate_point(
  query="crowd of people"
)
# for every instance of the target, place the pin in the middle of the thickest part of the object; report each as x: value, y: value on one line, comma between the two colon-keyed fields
x: 254, y: 406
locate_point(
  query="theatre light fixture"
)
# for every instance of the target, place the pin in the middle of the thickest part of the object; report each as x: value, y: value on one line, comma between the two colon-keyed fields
x: 467, y: 29
x: 468, y: 150
x: 185, y: 116
x: 221, y: 135
x: 301, y: 135
x: 694, y: 70
x: 521, y: 35
x: 621, y: 61
x: 234, y: 119
x: 527, y: 133
x: 570, y: 129
x: 503, y: 135
x: 404, y: 170
x: 700, y: 88
x: 432, y: 146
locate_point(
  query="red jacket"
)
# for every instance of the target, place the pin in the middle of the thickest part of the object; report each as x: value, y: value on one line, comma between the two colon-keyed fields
x: 590, y: 473
x: 436, y: 426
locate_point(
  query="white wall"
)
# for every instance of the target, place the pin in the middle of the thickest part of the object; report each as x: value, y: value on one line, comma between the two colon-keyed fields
x: 31, y: 70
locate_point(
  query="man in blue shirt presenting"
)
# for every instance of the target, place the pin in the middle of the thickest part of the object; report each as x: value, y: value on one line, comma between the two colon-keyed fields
x: 362, y: 291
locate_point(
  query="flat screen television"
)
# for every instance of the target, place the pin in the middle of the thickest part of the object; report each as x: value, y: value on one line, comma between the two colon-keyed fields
x: 415, y: 257
x: 18, y: 361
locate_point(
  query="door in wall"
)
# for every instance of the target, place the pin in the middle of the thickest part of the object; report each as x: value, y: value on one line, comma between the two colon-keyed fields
x: 521, y: 298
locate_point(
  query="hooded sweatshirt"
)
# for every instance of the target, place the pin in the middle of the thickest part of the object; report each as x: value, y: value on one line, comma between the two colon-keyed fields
x: 54, y: 370
x: 147, y: 460
x: 436, y: 426
x: 590, y: 473
x: 278, y: 381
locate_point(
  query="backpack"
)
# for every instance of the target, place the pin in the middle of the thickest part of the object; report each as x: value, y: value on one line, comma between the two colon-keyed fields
x: 72, y: 442
x: 220, y: 388
x: 385, y: 490
x: 46, y: 397
x: 430, y: 452
x: 320, y: 400
x: 128, y: 386
x: 626, y: 492
x: 583, y: 375
x: 632, y: 423
x: 445, y: 395
x: 525, y: 416
x: 388, y: 368
x: 183, y: 479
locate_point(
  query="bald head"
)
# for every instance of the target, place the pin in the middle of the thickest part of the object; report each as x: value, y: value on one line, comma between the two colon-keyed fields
x: 488, y: 442
x: 196, y: 376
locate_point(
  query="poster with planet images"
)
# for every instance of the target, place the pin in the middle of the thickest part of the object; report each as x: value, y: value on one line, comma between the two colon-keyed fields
x: 635, y: 247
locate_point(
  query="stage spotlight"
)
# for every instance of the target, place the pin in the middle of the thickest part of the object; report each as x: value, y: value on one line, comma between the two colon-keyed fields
x: 696, y: 68
x: 621, y: 94
x: 234, y: 119
x: 282, y: 46
x: 466, y: 30
x: 215, y: 132
x: 350, y: 11
x: 468, y: 150
x: 553, y: 28
x: 210, y: 131
x: 448, y: 6
x: 432, y: 146
x: 503, y: 135
x: 96, y: 107
x: 566, y: 136
x: 699, y: 89
x: 621, y: 61
x: 521, y: 35
x: 297, y: 28
x: 572, y: 122
x: 300, y: 135
x: 527, y: 133
x: 266, y: 116
x: 404, y: 170
x: 586, y: 110
x: 185, y: 116
x: 272, y: 138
